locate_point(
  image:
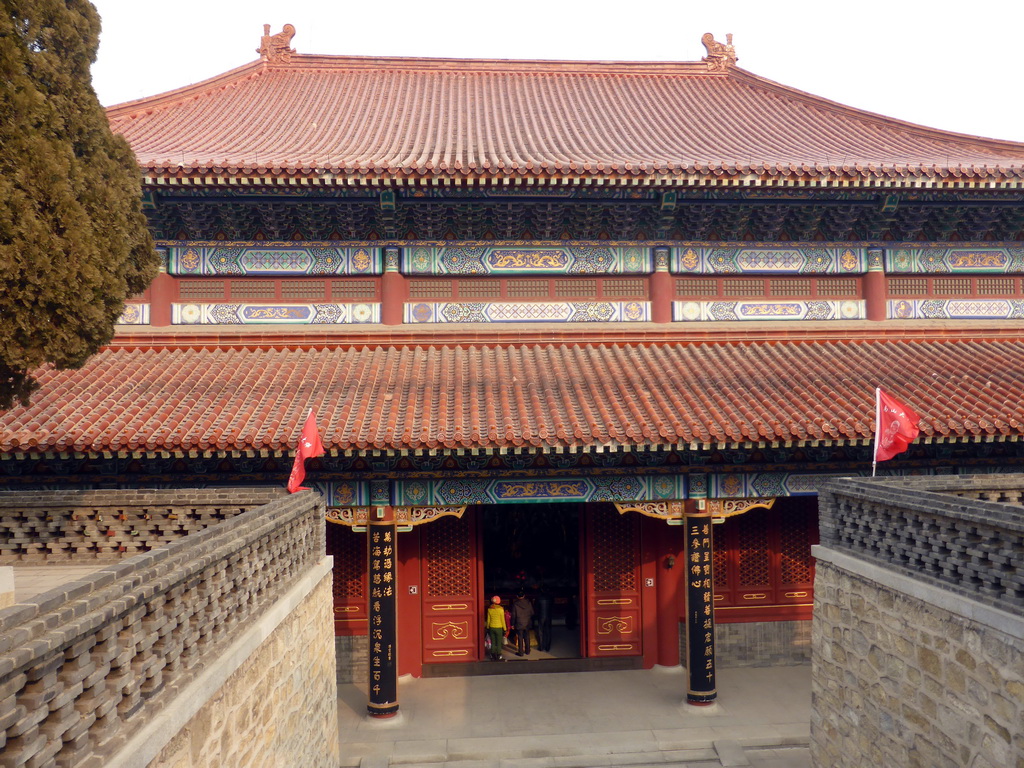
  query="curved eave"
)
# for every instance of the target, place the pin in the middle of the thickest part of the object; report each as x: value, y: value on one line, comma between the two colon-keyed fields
x: 533, y: 446
x: 894, y: 177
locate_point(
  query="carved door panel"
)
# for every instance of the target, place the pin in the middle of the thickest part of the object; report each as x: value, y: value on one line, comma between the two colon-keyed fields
x: 349, y: 552
x: 612, y: 578
x: 451, y: 601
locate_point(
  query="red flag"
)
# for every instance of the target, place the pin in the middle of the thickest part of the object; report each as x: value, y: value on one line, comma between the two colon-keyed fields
x: 895, y: 426
x: 309, y: 446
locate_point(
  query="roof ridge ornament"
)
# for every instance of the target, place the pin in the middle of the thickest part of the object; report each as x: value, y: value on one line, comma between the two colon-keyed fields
x: 274, y: 48
x: 720, y: 56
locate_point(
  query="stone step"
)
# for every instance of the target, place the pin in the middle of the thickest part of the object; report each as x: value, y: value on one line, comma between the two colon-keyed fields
x: 719, y: 754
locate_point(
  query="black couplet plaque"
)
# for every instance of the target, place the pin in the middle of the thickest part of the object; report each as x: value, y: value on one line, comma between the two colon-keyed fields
x: 383, y: 698
x: 700, y: 612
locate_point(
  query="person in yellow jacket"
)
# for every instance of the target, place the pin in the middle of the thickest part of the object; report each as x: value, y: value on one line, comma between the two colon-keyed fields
x: 496, y: 627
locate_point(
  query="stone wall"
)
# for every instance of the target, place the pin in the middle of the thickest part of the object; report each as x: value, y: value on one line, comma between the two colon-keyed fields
x: 918, y: 624
x: 897, y: 680
x: 279, y: 708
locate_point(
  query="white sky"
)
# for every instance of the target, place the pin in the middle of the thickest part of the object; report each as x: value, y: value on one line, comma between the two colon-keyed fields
x: 951, y: 64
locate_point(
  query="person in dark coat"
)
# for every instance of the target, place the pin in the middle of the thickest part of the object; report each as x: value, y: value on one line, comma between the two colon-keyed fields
x: 522, y: 618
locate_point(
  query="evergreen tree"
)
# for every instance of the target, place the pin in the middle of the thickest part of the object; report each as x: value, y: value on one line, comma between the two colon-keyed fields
x: 73, y: 241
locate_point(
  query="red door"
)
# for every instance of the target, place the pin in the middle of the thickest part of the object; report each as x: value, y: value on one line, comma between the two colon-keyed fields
x: 612, y: 582
x: 349, y: 551
x: 451, y: 600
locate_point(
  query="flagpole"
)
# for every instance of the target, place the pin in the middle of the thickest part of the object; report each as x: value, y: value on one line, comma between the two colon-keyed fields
x: 878, y: 420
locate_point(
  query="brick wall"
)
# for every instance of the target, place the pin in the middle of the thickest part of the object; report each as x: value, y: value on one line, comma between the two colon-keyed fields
x: 762, y: 643
x: 353, y: 658
x: 757, y: 643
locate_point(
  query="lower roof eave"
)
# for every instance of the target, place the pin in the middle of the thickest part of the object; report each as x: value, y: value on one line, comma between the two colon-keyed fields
x: 44, y: 453
x: 487, y: 334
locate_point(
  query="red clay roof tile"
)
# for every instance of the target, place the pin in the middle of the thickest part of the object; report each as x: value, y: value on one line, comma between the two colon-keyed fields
x: 334, y: 118
x: 472, y: 396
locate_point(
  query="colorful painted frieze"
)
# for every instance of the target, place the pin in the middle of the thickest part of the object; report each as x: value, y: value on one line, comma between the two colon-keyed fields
x: 134, y: 314
x: 271, y: 259
x: 528, y: 312
x: 769, y: 484
x: 954, y: 260
x: 259, y: 314
x: 343, y: 493
x: 518, y: 260
x: 778, y: 484
x: 752, y: 260
x: 955, y: 309
x: 538, y: 491
x: 768, y: 309
x: 741, y: 485
x: 455, y: 492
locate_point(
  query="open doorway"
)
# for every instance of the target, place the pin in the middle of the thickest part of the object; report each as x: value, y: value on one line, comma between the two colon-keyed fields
x: 535, y: 548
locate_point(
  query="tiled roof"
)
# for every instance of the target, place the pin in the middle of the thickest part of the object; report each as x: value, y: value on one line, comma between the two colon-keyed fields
x: 484, y: 396
x: 333, y: 119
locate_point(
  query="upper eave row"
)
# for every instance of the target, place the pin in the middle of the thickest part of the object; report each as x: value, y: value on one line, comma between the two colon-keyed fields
x: 330, y: 120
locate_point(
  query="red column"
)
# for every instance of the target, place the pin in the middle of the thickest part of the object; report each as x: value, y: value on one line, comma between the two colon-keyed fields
x: 662, y: 292
x: 874, y: 286
x: 392, y: 290
x: 410, y: 606
x: 650, y: 576
x: 671, y: 568
x: 162, y: 292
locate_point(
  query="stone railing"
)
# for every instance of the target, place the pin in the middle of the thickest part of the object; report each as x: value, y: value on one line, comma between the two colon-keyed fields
x: 107, y: 526
x: 956, y: 532
x: 84, y: 666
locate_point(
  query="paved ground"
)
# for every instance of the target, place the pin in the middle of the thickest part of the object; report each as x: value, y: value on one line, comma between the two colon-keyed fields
x: 32, y: 580
x: 634, y: 718
x: 583, y: 720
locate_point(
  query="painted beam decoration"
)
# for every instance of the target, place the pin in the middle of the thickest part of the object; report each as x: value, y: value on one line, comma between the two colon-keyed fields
x: 768, y: 309
x: 134, y: 314
x: 527, y: 260
x: 416, y: 501
x: 528, y: 312
x: 224, y: 313
x: 955, y: 309
x: 343, y: 493
x: 671, y: 511
x: 488, y: 491
x: 265, y: 259
x: 954, y: 260
x: 765, y: 259
x: 405, y: 517
x: 765, y: 484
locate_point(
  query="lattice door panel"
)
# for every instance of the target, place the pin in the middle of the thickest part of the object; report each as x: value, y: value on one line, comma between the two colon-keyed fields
x: 754, y: 567
x: 349, y: 552
x: 796, y: 566
x: 451, y: 600
x: 763, y: 557
x: 612, y: 564
x: 722, y: 567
